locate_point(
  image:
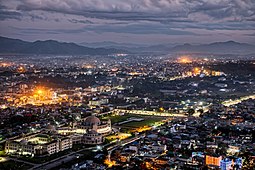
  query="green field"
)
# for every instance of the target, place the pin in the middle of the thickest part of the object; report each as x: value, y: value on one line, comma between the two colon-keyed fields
x: 146, y: 122
x: 117, y: 118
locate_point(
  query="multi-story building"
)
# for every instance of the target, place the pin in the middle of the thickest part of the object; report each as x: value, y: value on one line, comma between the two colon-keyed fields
x: 226, y: 164
x: 213, y: 160
x: 38, y: 144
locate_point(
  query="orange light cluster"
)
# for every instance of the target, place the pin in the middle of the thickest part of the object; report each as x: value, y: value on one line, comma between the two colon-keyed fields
x: 197, y: 70
x: 142, y: 129
x: 21, y: 69
x: 40, y: 91
x: 109, y: 163
x: 184, y: 60
x: 149, y: 166
x: 5, y: 64
x: 88, y: 66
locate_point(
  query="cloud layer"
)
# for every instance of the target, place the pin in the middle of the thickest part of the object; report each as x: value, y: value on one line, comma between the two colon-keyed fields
x: 146, y: 9
x: 166, y: 17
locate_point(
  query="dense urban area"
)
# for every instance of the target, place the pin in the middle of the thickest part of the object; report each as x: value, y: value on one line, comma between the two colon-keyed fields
x: 127, y: 111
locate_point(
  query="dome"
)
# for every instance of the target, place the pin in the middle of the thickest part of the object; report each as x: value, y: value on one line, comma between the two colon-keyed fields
x: 92, y: 120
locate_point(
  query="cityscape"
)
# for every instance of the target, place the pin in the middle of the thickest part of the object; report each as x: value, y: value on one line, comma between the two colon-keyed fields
x: 112, y: 85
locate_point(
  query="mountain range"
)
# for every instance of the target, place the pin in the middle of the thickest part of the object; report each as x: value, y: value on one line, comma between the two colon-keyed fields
x: 228, y: 47
x: 16, y: 46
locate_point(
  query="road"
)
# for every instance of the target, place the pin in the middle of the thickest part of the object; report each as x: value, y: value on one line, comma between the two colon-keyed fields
x: 150, y: 113
x: 58, y: 161
x: 18, y: 160
x: 236, y: 101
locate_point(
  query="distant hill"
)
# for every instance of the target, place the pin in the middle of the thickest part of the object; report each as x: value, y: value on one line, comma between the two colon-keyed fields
x: 229, y: 47
x: 16, y: 46
x: 132, y: 47
x: 110, y: 44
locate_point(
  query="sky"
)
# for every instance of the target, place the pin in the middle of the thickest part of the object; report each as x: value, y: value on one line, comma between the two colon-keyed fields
x: 129, y: 21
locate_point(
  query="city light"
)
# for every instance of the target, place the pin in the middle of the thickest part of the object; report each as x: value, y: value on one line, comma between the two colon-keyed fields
x: 21, y: 69
x: 40, y: 91
x: 3, y: 159
x: 5, y: 64
x: 184, y: 60
x: 109, y: 163
x: 122, y: 97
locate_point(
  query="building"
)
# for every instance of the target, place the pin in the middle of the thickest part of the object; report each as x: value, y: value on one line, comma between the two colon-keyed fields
x: 90, y: 131
x: 94, y: 123
x: 226, y: 164
x: 38, y: 144
x: 213, y: 160
x: 92, y: 138
x: 98, y: 102
x: 238, y: 163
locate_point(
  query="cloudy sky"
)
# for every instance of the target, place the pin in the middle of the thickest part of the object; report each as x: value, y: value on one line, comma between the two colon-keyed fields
x: 136, y: 21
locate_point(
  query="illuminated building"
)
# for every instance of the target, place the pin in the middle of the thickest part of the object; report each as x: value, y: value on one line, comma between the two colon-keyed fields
x: 90, y: 131
x: 198, y: 154
x: 98, y: 102
x: 94, y: 123
x: 38, y: 144
x: 212, y: 160
x: 232, y: 150
x: 92, y: 137
x: 216, y: 73
x: 197, y: 70
x: 21, y: 69
x: 238, y: 163
x: 226, y: 164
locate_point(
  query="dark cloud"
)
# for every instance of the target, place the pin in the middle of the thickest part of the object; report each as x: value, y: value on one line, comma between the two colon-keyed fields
x: 163, y: 11
x: 38, y: 17
x: 138, y: 29
x: 46, y: 31
x: 190, y: 18
x: 130, y: 29
x: 214, y: 26
x: 80, y: 21
x: 144, y: 9
x: 6, y: 13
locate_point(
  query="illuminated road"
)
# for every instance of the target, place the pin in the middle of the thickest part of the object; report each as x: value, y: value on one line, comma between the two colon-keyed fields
x: 196, y: 114
x: 149, y: 113
x: 236, y: 101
